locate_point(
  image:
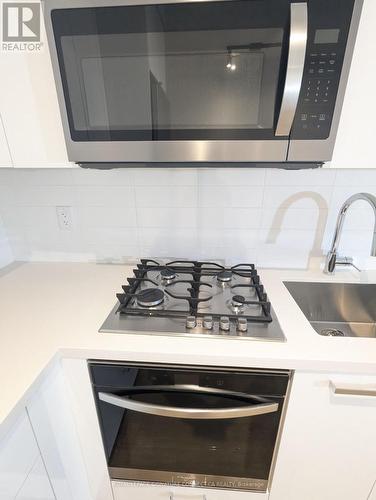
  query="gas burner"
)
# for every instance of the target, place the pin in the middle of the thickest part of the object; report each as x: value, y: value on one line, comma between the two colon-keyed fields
x: 168, y: 274
x: 224, y: 276
x: 238, y: 301
x: 150, y: 297
x: 161, y: 295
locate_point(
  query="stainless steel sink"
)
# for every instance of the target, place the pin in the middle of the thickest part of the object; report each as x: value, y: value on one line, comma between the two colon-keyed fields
x: 337, y: 309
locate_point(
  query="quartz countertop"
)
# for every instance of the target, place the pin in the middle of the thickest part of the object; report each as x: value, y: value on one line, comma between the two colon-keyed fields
x: 56, y: 309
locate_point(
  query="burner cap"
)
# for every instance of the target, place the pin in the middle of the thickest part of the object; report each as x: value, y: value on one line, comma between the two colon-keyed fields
x: 224, y: 276
x: 150, y: 297
x: 168, y: 274
x: 238, y: 300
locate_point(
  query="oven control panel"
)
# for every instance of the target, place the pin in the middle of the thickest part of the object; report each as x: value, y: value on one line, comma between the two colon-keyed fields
x: 326, y: 46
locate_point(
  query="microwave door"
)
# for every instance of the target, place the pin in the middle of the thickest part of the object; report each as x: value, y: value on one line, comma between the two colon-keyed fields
x: 176, y: 82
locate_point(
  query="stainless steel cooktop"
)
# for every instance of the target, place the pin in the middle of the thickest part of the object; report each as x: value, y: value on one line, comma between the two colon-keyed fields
x: 194, y: 298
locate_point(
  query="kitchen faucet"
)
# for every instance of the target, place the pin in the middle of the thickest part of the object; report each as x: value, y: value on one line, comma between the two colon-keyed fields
x: 332, y: 259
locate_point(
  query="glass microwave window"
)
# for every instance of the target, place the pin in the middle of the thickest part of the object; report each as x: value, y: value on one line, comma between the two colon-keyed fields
x: 327, y: 36
x: 175, y: 71
x: 182, y: 90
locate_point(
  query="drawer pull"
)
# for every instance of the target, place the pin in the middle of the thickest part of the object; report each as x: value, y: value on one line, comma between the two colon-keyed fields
x: 353, y: 389
x: 172, y: 497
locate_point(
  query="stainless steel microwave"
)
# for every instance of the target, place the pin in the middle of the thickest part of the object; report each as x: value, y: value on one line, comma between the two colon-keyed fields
x: 208, y: 81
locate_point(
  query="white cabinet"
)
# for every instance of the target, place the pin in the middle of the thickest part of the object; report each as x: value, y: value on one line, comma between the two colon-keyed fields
x: 29, y: 108
x: 52, y: 420
x: 355, y: 143
x: 37, y: 485
x: 327, y: 451
x: 372, y: 495
x: 22, y: 472
x: 18, y: 453
x: 5, y: 159
x: 130, y: 491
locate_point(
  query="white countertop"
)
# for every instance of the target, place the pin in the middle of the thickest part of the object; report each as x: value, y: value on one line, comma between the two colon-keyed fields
x: 57, y: 308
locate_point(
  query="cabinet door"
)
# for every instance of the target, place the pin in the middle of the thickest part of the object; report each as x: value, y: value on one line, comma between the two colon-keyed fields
x: 327, y: 449
x: 37, y: 485
x: 130, y: 491
x: 18, y: 454
x: 5, y: 159
x: 355, y: 143
x: 55, y: 431
x: 29, y: 108
x: 372, y: 495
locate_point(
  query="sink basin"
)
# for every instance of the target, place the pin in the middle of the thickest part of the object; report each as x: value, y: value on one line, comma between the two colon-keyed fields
x: 337, y: 309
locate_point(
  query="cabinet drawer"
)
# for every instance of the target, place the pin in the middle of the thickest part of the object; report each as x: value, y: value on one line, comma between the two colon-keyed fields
x: 328, y: 441
x: 132, y: 491
x: 18, y: 453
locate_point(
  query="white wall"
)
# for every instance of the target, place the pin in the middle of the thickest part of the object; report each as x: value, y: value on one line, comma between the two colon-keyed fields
x: 270, y: 217
x: 6, y: 255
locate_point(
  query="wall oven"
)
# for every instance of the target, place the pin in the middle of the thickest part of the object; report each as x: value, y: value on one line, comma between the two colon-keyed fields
x: 192, y: 426
x: 187, y: 81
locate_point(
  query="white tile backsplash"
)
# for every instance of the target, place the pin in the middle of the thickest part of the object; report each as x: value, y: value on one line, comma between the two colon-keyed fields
x: 317, y: 177
x: 275, y: 218
x: 229, y: 218
x: 166, y: 196
x: 103, y: 196
x: 165, y: 217
x: 304, y: 196
x: 230, y: 196
x: 238, y: 176
x: 105, y: 216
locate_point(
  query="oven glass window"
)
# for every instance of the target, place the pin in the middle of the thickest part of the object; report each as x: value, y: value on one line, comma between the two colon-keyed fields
x: 207, y: 70
x: 235, y: 449
x: 224, y: 452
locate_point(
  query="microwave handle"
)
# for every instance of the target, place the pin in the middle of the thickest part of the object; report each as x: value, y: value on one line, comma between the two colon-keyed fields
x: 192, y: 413
x: 295, y: 67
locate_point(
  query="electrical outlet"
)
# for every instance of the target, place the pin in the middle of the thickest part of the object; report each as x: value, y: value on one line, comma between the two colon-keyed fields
x: 64, y: 218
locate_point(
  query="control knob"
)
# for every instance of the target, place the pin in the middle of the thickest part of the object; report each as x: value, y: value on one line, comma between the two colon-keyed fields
x: 208, y: 322
x: 190, y: 322
x: 224, y: 323
x: 242, y: 325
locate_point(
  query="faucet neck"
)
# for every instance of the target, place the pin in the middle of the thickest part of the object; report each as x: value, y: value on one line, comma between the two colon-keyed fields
x: 332, y: 255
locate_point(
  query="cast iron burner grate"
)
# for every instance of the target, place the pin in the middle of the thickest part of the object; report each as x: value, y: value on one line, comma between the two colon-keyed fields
x: 154, y: 299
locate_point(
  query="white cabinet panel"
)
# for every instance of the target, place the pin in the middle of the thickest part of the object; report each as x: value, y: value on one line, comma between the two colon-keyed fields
x: 85, y: 415
x: 372, y: 495
x: 355, y: 143
x: 37, y: 485
x: 29, y: 107
x: 53, y: 424
x: 328, y: 444
x: 18, y: 453
x: 131, y: 491
x: 5, y: 159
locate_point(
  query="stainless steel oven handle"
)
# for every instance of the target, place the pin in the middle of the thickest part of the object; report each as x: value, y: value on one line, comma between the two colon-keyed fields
x: 192, y: 413
x: 193, y: 388
x: 295, y: 67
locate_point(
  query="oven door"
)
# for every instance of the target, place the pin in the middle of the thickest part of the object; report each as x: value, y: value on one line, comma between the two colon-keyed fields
x: 207, y: 81
x: 189, y: 427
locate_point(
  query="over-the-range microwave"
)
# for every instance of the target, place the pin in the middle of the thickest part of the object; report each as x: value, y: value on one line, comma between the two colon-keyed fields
x: 203, y: 81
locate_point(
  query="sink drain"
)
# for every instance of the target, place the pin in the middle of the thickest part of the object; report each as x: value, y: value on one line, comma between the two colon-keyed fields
x: 332, y: 332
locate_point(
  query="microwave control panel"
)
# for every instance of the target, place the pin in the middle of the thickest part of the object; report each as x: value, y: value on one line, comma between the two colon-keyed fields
x: 326, y: 46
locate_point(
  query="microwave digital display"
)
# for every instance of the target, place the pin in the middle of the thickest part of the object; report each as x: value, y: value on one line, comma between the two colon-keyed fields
x: 326, y: 36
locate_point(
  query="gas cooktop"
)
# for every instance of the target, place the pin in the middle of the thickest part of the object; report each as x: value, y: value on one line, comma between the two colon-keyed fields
x: 194, y: 298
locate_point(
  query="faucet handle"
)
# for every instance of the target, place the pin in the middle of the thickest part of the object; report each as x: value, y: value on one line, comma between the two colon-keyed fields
x: 347, y: 261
